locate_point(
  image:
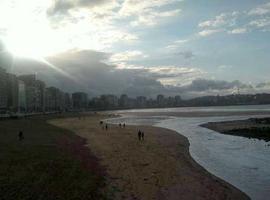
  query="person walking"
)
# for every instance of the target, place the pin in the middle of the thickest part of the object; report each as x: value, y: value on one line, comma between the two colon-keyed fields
x: 106, y: 127
x: 139, y: 135
x: 21, y: 137
x: 142, y: 135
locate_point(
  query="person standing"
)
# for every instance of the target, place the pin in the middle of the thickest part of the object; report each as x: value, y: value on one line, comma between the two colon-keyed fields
x: 142, y: 135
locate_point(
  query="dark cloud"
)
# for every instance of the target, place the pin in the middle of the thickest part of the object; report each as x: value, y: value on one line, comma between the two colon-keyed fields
x: 86, y: 71
x: 200, y: 85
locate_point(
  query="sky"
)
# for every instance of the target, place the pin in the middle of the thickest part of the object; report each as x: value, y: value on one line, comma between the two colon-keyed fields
x: 185, y: 47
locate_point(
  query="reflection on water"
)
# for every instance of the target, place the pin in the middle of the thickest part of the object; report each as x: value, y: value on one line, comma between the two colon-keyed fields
x: 245, y: 163
x: 136, y: 120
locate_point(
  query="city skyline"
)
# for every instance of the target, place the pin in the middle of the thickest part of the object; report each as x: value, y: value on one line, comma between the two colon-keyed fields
x: 199, y: 47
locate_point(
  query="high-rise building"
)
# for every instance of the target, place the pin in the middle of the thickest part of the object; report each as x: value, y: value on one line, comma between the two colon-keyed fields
x: 141, y: 101
x: 178, y: 100
x: 54, y: 99
x: 160, y: 100
x: 123, y: 101
x: 3, y: 90
x: 68, y: 102
x: 80, y: 100
x: 35, y: 93
x: 40, y: 96
x: 30, y: 91
x: 13, y: 92
x: 21, y: 97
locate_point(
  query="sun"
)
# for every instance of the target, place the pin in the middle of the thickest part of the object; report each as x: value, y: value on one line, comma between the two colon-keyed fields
x: 27, y: 30
x: 30, y: 43
x: 30, y: 33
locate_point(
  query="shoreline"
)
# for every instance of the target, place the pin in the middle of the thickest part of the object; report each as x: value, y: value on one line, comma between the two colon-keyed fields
x: 193, y: 114
x: 160, y: 167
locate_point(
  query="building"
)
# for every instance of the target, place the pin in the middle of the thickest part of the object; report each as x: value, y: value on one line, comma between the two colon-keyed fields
x: 124, y: 101
x: 80, y: 100
x: 13, y: 92
x: 111, y: 100
x: 178, y: 100
x: 40, y: 95
x: 141, y: 101
x: 30, y: 91
x: 54, y: 100
x: 160, y: 100
x: 21, y: 97
x: 35, y: 93
x: 3, y: 90
x: 68, y: 102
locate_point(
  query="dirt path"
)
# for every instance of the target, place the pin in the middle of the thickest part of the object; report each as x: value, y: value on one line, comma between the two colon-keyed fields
x: 160, y: 167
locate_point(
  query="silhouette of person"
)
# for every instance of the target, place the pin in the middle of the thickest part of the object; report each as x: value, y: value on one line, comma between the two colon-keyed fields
x: 21, y: 137
x: 106, y: 127
x: 142, y: 136
x: 120, y: 125
x: 139, y: 134
x: 124, y: 125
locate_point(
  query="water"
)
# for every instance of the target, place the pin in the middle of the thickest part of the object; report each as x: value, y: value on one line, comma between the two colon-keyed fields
x: 243, y: 162
x: 244, y: 108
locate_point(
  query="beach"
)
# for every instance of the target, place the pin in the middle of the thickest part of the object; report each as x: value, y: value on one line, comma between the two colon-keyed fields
x: 48, y: 163
x: 159, y: 167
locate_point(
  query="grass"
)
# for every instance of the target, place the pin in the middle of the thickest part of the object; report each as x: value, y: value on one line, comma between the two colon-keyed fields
x: 50, y: 163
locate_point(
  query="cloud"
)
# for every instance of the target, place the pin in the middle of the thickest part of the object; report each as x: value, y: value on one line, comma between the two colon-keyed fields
x: 220, y: 20
x: 238, y: 22
x: 209, y: 32
x: 206, y: 85
x: 90, y: 74
x: 176, y: 44
x: 225, y: 67
x: 149, y: 12
x: 265, y: 85
x: 62, y: 7
x: 186, y: 54
x: 238, y: 31
x: 260, y: 10
x: 260, y: 23
x: 127, y: 56
x: 150, y: 18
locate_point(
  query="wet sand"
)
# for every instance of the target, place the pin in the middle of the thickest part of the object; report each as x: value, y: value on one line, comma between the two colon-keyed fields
x: 160, y: 167
x: 246, y: 128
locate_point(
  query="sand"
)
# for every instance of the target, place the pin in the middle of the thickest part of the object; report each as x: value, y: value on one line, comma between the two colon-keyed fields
x: 160, y: 167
